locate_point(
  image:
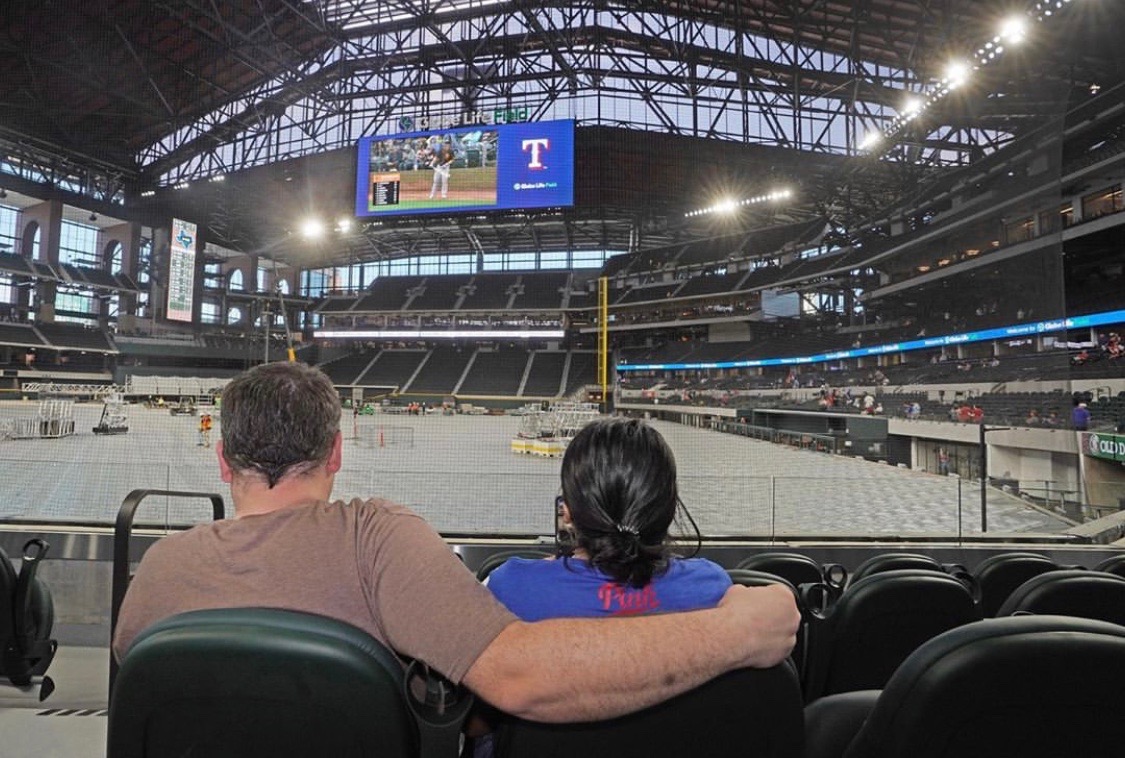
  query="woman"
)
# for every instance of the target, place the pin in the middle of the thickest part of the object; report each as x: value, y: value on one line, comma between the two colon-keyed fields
x: 619, y: 500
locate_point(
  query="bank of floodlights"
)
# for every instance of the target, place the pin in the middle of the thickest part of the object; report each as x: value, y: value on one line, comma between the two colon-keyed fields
x: 1012, y: 31
x: 730, y: 205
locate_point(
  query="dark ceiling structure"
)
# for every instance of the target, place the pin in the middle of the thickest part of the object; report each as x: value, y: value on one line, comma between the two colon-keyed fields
x: 112, y: 98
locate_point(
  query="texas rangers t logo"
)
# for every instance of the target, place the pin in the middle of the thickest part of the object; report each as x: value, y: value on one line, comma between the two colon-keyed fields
x: 537, y: 145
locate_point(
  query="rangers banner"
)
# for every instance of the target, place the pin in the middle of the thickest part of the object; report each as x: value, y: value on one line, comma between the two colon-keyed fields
x: 181, y: 271
x: 1110, y: 447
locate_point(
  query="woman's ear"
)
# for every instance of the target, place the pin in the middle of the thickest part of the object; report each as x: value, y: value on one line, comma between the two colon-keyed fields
x: 566, y: 514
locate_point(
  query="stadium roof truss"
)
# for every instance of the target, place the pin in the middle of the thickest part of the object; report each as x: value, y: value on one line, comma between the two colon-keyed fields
x: 802, y: 75
x: 164, y: 92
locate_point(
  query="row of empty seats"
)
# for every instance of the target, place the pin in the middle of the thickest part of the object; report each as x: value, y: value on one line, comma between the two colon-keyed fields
x: 545, y: 291
x: 67, y: 273
x: 447, y: 369
x: 56, y: 336
x: 1026, y: 685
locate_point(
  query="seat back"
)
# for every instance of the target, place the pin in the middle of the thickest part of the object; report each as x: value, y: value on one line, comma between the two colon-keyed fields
x: 494, y: 561
x: 751, y: 712
x: 998, y: 576
x: 1115, y: 564
x: 877, y: 623
x: 258, y: 682
x: 796, y: 568
x: 1032, y: 686
x: 894, y: 562
x: 1070, y: 592
x: 27, y: 616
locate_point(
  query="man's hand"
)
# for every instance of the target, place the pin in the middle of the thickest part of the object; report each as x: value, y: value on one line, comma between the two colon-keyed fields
x: 769, y: 619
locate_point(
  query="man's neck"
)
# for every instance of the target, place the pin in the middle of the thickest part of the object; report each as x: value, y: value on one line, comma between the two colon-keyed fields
x: 253, y: 496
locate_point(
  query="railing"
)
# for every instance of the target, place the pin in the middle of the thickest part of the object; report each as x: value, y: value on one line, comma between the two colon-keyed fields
x: 822, y: 443
x: 122, y: 531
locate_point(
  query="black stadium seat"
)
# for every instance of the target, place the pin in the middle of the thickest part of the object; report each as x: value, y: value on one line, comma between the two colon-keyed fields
x: 1112, y: 565
x: 798, y: 569
x: 259, y: 682
x: 748, y: 712
x: 1070, y: 592
x: 1026, y: 686
x: 998, y: 576
x: 894, y: 562
x: 877, y: 623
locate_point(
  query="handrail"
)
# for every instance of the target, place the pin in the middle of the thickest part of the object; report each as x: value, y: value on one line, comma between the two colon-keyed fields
x: 122, y: 531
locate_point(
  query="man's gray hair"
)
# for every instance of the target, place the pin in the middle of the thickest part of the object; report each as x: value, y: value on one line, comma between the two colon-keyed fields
x: 279, y: 418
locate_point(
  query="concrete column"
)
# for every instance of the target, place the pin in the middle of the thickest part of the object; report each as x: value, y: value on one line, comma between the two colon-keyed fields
x: 47, y: 217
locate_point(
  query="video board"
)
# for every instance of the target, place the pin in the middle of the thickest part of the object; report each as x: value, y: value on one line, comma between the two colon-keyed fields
x: 181, y: 271
x: 478, y: 168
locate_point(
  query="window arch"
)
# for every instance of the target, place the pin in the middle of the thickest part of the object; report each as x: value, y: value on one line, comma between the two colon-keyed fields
x: 234, y: 315
x: 234, y: 282
x: 114, y: 256
x: 30, y: 246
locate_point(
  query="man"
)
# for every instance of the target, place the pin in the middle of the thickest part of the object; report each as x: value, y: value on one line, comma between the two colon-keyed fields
x: 1080, y: 417
x: 378, y: 566
x: 205, y: 430
x: 442, y: 163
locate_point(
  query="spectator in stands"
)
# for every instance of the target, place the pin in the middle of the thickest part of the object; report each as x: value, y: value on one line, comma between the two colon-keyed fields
x: 378, y: 566
x: 1080, y: 417
x: 1033, y: 418
x: 1052, y: 419
x: 976, y: 414
x: 964, y: 413
x: 943, y: 461
x: 1114, y: 346
x: 619, y: 500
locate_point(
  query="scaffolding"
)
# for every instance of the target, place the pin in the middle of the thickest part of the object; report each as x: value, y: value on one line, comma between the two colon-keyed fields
x: 114, y: 418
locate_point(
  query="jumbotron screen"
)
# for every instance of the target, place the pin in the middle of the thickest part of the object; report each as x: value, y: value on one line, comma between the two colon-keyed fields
x: 477, y: 168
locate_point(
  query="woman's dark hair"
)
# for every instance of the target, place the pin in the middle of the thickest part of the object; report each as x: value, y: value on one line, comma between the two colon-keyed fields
x: 619, y: 483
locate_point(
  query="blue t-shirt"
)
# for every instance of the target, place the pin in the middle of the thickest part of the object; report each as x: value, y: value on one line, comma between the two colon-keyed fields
x: 536, y: 589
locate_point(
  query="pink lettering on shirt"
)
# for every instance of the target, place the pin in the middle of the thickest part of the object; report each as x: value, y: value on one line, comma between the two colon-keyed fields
x: 621, y: 600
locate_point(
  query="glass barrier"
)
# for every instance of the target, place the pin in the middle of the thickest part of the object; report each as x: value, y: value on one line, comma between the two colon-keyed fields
x: 466, y: 476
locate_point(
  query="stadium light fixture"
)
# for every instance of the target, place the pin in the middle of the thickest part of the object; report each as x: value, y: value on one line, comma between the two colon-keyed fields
x: 312, y: 228
x: 730, y: 205
x: 956, y: 74
x: 912, y: 107
x: 1013, y: 30
x: 871, y: 139
x: 344, y: 225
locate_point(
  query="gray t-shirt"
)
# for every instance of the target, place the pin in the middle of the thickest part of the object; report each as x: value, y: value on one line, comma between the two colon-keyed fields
x: 372, y: 564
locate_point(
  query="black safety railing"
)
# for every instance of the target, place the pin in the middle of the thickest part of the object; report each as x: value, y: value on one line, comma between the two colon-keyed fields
x: 122, y: 531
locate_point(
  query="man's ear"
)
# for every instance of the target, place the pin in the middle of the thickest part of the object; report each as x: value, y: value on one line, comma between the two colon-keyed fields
x: 225, y: 471
x: 336, y: 455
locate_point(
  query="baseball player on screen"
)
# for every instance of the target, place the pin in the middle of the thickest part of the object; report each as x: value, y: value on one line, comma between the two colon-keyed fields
x: 442, y: 162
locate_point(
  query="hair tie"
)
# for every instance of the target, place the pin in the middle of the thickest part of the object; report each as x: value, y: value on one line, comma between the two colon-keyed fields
x: 628, y: 530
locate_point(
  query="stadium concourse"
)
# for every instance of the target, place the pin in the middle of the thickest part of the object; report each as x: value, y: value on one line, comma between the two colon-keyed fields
x: 862, y: 265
